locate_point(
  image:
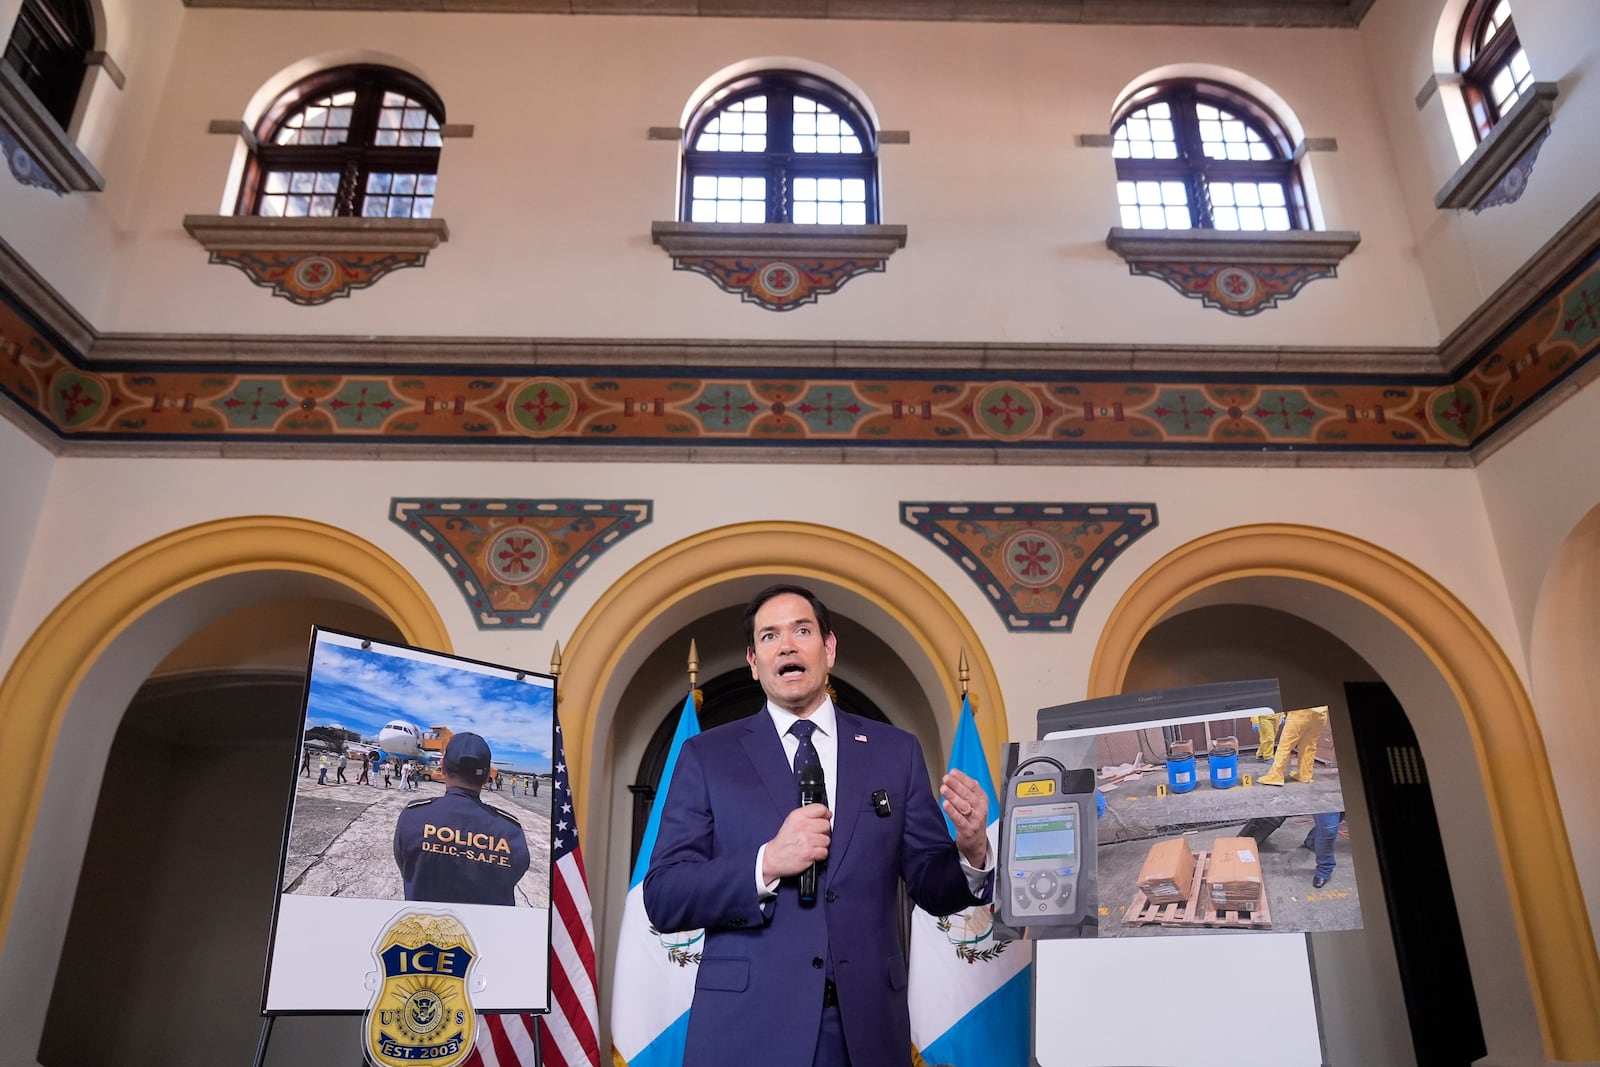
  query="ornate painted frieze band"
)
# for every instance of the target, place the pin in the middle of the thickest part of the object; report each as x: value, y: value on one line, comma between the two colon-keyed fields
x: 514, y: 559
x: 1036, y: 562
x: 778, y: 266
x: 313, y: 261
x: 1238, y: 273
x: 948, y: 409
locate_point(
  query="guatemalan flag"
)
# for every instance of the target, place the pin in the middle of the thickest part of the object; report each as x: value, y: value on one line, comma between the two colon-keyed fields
x: 970, y: 994
x: 655, y: 972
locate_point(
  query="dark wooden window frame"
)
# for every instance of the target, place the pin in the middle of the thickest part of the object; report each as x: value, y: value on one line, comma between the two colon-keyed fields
x: 1194, y: 168
x: 53, y: 70
x: 1479, y: 63
x: 781, y: 166
x: 358, y: 156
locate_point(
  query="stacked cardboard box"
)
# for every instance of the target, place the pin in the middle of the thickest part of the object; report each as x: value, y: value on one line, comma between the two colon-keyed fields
x: 1180, y: 750
x: 1224, y: 746
x: 1234, y: 876
x: 1168, y: 871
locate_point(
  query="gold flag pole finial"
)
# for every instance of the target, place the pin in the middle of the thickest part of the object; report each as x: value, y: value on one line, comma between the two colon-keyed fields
x: 555, y: 672
x: 963, y: 672
x: 694, y: 663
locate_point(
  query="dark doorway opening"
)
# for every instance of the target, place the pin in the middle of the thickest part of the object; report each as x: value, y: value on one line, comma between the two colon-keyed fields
x: 1434, y: 973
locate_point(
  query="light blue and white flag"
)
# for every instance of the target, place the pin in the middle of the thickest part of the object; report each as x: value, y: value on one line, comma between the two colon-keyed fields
x: 971, y: 996
x: 655, y: 972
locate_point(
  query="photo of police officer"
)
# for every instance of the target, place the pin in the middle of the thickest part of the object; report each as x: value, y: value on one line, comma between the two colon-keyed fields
x: 454, y: 848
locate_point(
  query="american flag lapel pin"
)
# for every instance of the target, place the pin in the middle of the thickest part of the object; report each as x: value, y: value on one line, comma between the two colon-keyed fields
x: 862, y: 738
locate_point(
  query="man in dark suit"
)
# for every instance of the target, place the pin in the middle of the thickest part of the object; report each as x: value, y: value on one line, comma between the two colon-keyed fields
x: 783, y: 983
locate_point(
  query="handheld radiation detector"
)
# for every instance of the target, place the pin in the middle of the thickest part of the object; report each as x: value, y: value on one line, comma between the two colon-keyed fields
x: 1050, y: 839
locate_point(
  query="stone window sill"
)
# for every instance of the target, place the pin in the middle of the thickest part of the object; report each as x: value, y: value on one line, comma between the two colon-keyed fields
x: 1300, y: 247
x: 228, y: 232
x: 43, y: 154
x: 1522, y: 128
x: 777, y: 239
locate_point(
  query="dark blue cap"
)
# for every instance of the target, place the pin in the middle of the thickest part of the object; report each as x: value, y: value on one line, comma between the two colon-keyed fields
x: 468, y: 756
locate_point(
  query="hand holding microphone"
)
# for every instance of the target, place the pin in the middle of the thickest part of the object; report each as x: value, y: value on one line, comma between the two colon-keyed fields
x: 803, y: 838
x: 813, y: 790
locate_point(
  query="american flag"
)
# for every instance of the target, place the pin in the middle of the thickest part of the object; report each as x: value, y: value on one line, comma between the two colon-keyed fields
x: 568, y: 1036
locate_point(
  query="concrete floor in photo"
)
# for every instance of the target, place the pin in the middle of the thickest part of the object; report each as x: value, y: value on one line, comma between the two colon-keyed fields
x: 1134, y: 811
x: 341, y: 843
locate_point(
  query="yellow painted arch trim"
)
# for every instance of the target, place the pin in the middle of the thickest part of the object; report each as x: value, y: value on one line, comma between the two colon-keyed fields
x: 1546, y: 896
x: 727, y: 553
x: 44, y: 678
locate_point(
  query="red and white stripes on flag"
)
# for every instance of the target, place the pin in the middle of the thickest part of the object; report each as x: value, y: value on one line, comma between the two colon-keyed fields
x: 569, y: 1035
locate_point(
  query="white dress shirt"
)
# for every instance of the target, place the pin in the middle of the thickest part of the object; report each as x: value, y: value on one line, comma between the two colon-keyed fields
x: 825, y: 739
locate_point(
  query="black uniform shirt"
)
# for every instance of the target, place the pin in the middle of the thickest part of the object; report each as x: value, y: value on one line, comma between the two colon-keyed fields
x: 456, y: 849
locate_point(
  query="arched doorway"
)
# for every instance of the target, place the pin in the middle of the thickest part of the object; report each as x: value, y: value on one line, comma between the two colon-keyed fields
x: 69, y: 687
x: 1471, y: 714
x: 628, y: 654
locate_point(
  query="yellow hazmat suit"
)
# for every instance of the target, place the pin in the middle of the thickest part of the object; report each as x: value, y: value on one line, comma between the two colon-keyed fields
x: 1300, y: 729
x: 1267, y: 729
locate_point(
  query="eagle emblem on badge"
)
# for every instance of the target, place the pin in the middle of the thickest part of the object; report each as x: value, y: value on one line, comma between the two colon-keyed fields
x: 421, y: 1012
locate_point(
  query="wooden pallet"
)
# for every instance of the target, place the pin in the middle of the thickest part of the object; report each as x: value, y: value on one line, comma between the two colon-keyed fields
x: 1196, y: 910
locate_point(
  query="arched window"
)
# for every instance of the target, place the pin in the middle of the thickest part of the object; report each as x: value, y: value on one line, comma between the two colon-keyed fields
x: 47, y: 49
x: 780, y: 147
x: 1199, y: 155
x: 1494, y: 69
x: 360, y: 141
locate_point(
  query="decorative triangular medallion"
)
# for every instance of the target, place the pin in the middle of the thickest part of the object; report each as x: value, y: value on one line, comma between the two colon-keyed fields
x: 1036, y: 562
x: 513, y: 559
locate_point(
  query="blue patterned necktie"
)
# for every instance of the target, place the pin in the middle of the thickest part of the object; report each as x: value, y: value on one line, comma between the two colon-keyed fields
x: 806, y: 754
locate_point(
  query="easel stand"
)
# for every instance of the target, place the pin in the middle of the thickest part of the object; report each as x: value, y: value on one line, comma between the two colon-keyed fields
x: 266, y: 1037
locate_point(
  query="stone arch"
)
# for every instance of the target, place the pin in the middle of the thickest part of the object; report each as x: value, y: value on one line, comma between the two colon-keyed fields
x: 83, y: 632
x: 1566, y: 630
x: 930, y: 631
x: 1540, y: 877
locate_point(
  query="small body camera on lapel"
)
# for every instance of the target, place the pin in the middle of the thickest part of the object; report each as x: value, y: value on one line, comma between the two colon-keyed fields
x: 880, y: 803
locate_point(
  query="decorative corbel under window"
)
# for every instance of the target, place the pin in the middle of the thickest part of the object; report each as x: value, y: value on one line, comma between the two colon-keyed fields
x: 778, y: 266
x: 1240, y: 273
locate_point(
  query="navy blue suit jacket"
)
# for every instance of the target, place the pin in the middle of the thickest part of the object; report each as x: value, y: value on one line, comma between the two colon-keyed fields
x: 758, y: 996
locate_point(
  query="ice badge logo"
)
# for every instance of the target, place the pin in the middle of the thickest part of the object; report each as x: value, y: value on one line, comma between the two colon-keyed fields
x: 421, y: 1013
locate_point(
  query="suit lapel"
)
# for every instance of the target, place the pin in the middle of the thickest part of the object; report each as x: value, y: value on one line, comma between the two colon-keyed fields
x: 765, y: 750
x: 850, y: 791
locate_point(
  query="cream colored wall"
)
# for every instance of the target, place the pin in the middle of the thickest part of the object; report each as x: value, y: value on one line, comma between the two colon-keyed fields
x: 550, y: 202
x: 1465, y: 257
x: 97, y: 509
x: 25, y: 467
x: 1396, y: 509
x: 1537, y: 492
x: 80, y: 241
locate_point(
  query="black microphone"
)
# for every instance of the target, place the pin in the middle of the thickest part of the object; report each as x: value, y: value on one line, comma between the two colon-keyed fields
x: 813, y: 790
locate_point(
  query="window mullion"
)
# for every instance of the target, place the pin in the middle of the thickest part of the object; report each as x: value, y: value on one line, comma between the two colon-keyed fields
x: 780, y: 146
x: 1191, y: 149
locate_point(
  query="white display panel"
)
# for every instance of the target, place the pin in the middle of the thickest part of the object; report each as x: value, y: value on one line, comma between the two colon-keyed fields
x: 396, y: 832
x: 1166, y: 1002
x: 312, y: 972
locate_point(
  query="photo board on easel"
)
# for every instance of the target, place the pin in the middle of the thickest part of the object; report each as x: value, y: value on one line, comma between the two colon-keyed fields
x: 377, y: 829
